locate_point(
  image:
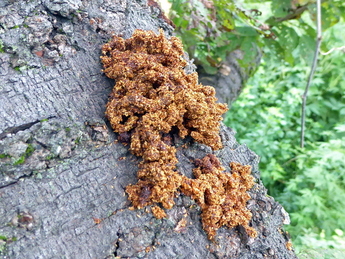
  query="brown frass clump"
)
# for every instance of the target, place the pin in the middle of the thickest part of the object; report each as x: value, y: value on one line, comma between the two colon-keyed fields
x: 153, y: 96
x: 222, y: 196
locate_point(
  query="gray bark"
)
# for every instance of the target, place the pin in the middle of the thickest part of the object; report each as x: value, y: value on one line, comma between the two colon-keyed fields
x: 230, y: 79
x: 62, y: 176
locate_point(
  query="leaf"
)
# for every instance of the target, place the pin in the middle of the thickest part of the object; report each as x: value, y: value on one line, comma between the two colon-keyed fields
x: 228, y: 24
x: 280, y: 8
x: 341, y: 128
x: 210, y: 69
x: 250, y: 50
x: 307, y: 47
x: 245, y: 31
x: 289, y: 40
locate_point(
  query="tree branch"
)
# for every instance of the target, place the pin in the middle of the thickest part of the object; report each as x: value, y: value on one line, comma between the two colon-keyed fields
x: 312, y: 70
x: 333, y: 49
x: 297, y: 13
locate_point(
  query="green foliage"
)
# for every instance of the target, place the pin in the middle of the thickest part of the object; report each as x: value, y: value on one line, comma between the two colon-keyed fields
x: 333, y: 247
x: 280, y: 8
x: 316, y: 195
x: 211, y: 31
x: 309, y: 182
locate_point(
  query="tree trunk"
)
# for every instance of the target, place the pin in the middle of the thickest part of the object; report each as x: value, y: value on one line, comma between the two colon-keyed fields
x: 230, y: 79
x: 62, y: 175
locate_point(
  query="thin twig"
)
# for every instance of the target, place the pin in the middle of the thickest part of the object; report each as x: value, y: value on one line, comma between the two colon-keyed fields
x: 312, y: 70
x: 331, y: 50
x: 290, y: 160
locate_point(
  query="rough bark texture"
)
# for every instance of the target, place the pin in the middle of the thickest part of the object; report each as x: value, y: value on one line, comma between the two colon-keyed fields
x: 62, y: 177
x: 231, y: 77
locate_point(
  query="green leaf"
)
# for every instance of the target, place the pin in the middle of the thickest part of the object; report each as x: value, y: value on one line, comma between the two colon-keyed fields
x: 280, y: 8
x: 245, y: 31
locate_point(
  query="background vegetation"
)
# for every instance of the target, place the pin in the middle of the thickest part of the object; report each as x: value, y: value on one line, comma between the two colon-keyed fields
x: 309, y: 181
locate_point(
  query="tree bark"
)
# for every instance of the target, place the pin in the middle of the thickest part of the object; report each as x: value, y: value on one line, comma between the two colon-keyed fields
x: 62, y: 175
x: 230, y: 79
